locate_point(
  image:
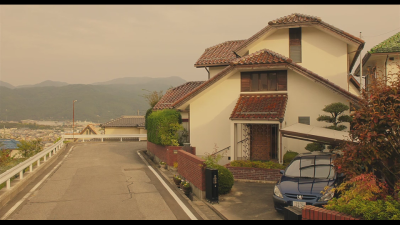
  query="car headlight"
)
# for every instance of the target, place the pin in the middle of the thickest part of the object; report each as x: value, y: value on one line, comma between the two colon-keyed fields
x: 277, y: 192
x: 327, y: 196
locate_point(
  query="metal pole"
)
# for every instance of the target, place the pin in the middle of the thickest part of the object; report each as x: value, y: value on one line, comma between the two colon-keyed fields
x: 73, y: 120
x: 361, y: 73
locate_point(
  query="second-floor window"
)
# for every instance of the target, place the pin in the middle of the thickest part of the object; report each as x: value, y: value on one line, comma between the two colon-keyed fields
x: 264, y: 81
x: 295, y: 44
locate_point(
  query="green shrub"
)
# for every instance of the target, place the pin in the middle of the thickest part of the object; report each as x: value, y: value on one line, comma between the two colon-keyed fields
x: 257, y: 164
x: 163, y: 127
x: 315, y: 147
x: 289, y: 156
x: 225, y: 180
x: 367, y: 197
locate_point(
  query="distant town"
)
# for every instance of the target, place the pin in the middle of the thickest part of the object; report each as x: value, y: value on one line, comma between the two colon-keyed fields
x: 48, y: 131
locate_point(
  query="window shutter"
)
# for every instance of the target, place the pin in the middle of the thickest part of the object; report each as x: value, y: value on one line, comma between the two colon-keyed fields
x: 295, y: 44
x: 272, y: 82
x: 282, y: 81
x: 245, y: 80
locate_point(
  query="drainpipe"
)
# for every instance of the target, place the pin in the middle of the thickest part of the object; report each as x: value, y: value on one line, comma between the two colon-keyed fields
x: 207, y: 72
x: 386, y: 69
x: 280, y: 141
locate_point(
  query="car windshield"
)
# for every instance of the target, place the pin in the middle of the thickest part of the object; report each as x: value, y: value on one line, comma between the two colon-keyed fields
x: 312, y: 167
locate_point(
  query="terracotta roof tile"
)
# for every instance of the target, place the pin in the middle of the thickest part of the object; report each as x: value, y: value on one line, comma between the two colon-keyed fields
x: 295, y: 18
x: 260, y: 106
x: 126, y: 121
x: 220, y: 54
x: 263, y: 56
x: 175, y: 94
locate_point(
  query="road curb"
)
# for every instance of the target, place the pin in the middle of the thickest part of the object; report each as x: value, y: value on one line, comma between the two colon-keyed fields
x: 7, y: 195
x: 194, y: 206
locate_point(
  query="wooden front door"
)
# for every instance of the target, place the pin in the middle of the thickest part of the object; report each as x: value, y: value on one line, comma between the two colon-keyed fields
x: 263, y: 141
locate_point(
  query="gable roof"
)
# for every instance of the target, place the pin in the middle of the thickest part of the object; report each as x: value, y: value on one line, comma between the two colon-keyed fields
x: 260, y: 106
x: 126, y: 121
x: 220, y: 54
x: 264, y: 58
x: 297, y: 19
x: 90, y: 127
x: 392, y: 44
x: 174, y: 94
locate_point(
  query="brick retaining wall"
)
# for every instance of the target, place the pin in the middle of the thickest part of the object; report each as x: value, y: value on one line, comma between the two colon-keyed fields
x: 192, y: 168
x: 310, y: 212
x: 166, y: 153
x: 254, y: 173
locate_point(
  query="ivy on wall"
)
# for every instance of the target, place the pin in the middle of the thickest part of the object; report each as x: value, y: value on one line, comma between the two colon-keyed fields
x: 163, y: 127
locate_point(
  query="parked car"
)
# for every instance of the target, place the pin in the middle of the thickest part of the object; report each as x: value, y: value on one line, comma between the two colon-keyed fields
x: 304, y: 179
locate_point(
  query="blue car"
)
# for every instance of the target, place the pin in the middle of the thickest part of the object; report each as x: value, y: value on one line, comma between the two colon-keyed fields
x: 304, y: 179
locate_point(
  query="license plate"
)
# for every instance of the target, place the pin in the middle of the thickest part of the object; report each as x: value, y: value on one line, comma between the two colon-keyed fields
x: 299, y: 204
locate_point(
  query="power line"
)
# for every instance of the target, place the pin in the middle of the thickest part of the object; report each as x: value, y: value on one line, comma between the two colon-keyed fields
x: 383, y: 33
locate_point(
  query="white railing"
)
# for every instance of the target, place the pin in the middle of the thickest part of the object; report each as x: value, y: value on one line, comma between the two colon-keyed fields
x: 7, y: 175
x: 95, y: 136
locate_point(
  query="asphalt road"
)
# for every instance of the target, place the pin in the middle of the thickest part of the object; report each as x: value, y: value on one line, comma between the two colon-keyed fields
x: 107, y: 181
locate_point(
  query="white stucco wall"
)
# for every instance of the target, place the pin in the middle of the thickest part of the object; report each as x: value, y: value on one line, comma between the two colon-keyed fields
x: 322, y: 53
x: 214, y: 70
x: 210, y: 111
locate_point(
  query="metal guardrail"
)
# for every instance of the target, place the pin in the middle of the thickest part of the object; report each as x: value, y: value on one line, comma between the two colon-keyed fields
x: 7, y: 175
x: 97, y: 136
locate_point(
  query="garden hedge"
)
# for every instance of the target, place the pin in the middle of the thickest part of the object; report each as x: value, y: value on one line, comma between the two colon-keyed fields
x: 163, y: 126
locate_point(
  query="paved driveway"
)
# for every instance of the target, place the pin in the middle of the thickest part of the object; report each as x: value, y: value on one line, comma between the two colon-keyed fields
x: 249, y: 201
x: 101, y: 181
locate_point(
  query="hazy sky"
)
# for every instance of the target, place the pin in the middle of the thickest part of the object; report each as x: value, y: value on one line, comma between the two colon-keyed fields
x: 86, y: 43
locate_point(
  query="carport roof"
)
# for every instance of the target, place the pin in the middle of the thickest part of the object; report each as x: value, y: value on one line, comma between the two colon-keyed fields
x: 315, y: 134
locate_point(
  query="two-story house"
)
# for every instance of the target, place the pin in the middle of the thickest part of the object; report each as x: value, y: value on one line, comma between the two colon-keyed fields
x: 282, y: 75
x: 382, y: 61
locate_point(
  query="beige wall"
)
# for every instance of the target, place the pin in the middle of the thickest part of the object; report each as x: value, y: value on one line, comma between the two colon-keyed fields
x: 353, y: 89
x: 122, y: 130
x: 214, y: 70
x: 321, y: 53
x: 209, y: 115
x: 277, y: 42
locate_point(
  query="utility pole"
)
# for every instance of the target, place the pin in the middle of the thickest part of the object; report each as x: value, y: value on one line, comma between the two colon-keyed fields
x: 361, y: 71
x: 73, y: 120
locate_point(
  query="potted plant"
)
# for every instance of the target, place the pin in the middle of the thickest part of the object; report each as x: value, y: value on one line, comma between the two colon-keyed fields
x: 177, y: 180
x: 186, y: 187
x: 163, y: 165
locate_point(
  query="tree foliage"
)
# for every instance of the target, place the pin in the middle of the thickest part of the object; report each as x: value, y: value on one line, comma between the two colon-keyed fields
x: 30, y: 148
x: 336, y: 118
x: 375, y: 134
x: 336, y: 110
x: 152, y: 97
x: 163, y: 127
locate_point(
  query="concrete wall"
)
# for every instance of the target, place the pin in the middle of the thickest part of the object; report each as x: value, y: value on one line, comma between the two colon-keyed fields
x: 321, y: 53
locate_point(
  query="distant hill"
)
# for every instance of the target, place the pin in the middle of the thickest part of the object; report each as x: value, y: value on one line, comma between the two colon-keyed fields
x: 97, y: 103
x: 5, y: 84
x: 47, y: 83
x: 141, y: 80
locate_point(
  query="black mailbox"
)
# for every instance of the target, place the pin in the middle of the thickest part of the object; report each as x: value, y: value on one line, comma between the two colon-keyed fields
x: 212, y: 185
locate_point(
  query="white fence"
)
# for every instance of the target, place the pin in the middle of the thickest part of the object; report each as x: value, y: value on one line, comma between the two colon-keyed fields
x: 102, y: 137
x: 7, y: 175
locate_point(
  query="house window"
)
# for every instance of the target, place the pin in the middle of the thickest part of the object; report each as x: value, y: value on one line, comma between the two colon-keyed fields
x: 295, y: 44
x: 304, y: 120
x: 264, y: 81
